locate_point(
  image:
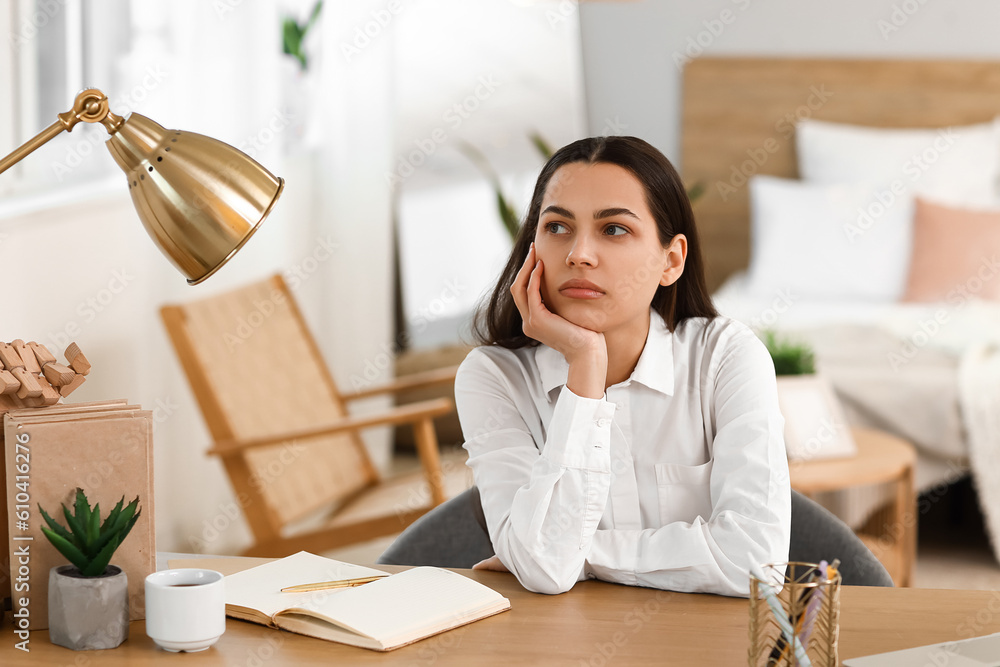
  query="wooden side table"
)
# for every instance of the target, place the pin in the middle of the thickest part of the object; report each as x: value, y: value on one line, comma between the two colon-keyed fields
x: 891, y: 532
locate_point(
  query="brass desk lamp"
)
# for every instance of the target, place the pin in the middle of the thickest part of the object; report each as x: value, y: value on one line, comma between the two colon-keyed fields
x: 199, y: 199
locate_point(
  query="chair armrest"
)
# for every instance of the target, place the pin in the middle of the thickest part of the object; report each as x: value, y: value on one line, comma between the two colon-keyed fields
x: 407, y: 382
x: 404, y: 414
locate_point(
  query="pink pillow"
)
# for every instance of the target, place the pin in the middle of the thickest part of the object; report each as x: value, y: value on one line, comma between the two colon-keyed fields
x: 956, y: 254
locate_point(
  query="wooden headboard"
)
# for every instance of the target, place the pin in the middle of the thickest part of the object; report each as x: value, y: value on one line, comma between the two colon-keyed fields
x: 739, y: 113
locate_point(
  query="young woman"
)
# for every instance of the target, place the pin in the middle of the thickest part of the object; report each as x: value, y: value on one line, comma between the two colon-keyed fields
x: 617, y: 427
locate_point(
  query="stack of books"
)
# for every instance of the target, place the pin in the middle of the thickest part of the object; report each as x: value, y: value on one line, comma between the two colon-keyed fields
x: 49, y: 449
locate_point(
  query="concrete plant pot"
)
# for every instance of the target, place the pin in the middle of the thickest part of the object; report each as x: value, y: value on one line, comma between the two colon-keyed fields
x: 87, y: 613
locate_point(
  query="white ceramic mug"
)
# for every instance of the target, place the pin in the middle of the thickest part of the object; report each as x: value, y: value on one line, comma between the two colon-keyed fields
x: 185, y: 609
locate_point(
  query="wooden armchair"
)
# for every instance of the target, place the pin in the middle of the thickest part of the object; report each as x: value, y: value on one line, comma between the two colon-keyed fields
x: 291, y: 450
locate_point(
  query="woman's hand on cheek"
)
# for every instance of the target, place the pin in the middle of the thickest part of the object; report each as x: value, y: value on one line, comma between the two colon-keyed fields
x: 584, y: 350
x: 541, y: 323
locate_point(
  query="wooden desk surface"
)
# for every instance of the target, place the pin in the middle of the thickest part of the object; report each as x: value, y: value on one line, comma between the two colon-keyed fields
x: 595, y: 624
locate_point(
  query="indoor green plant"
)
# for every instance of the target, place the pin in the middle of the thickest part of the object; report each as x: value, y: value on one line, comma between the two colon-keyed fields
x: 789, y: 358
x: 815, y: 423
x: 293, y: 35
x: 88, y: 599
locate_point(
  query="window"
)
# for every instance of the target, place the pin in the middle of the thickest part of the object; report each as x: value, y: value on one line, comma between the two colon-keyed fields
x: 55, y: 49
x: 517, y: 72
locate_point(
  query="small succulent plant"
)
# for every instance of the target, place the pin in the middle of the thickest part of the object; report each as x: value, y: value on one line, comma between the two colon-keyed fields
x: 789, y: 358
x: 89, y: 544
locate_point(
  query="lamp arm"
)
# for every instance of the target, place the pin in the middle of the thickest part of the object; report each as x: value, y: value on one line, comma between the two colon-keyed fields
x: 90, y: 106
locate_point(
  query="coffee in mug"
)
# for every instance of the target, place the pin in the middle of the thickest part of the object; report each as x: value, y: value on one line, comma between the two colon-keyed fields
x: 185, y: 608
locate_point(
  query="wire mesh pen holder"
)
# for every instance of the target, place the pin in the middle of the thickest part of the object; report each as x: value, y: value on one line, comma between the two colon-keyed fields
x: 808, y: 613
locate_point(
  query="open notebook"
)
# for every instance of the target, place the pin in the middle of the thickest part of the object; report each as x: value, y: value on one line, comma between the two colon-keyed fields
x: 976, y: 652
x: 385, y: 614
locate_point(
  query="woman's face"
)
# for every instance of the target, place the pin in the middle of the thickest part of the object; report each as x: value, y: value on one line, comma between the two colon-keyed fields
x: 599, y: 247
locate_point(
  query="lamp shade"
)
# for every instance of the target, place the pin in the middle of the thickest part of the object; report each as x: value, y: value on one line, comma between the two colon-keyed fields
x: 199, y: 199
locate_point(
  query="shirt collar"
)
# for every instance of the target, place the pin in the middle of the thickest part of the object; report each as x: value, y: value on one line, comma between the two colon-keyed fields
x: 655, y: 368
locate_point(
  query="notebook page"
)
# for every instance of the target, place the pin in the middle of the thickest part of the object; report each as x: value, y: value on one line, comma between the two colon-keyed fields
x: 409, y: 604
x: 975, y: 652
x: 260, y: 587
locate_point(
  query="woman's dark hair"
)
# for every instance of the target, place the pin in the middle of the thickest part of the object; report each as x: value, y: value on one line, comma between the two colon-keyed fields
x: 498, y: 321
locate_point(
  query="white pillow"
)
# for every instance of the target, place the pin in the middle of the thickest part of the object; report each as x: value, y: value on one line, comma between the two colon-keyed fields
x: 835, y: 242
x: 956, y: 165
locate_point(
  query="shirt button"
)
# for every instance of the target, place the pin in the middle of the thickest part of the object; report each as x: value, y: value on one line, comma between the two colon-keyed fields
x: 602, y: 422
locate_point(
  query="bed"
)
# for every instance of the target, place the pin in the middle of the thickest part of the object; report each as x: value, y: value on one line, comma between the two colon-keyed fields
x: 896, y: 288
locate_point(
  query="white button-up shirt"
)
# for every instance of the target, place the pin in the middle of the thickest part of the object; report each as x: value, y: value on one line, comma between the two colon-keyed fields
x: 676, y: 479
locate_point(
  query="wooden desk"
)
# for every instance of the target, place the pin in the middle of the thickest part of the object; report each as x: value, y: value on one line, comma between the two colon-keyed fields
x: 595, y: 624
x: 882, y: 458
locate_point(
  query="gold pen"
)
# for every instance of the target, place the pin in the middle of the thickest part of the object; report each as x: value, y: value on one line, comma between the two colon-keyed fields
x: 323, y: 585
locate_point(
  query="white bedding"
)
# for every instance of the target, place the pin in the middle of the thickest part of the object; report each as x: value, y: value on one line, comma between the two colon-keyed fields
x: 927, y: 372
x: 969, y: 320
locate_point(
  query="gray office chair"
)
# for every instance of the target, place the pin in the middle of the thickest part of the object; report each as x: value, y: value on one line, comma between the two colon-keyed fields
x: 454, y: 534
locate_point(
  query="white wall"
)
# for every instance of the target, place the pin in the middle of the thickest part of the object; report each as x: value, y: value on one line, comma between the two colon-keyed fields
x: 630, y: 48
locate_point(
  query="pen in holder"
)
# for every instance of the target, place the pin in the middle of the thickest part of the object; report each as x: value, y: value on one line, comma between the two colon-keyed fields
x: 795, y: 622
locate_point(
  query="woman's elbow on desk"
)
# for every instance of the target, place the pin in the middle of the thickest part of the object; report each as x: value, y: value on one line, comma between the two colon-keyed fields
x: 546, y: 586
x: 537, y: 580
x: 539, y: 577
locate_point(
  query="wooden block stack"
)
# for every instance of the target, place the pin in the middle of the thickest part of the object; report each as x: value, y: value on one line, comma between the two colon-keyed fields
x: 31, y: 377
